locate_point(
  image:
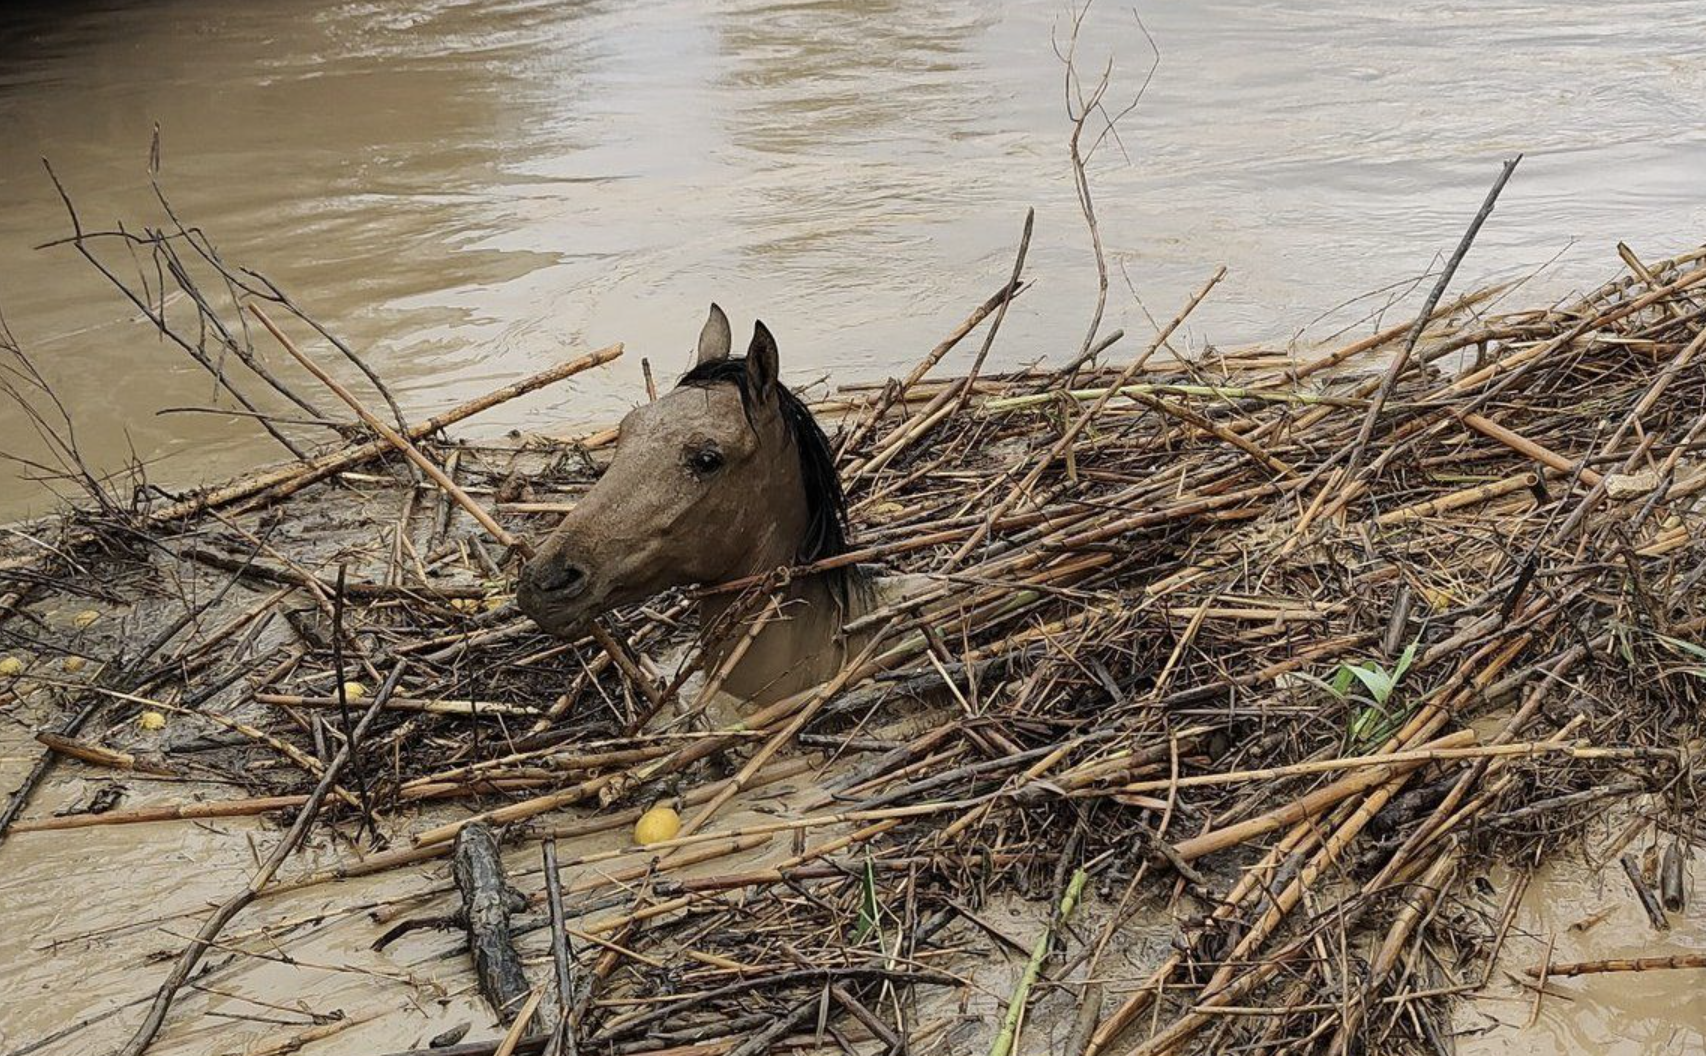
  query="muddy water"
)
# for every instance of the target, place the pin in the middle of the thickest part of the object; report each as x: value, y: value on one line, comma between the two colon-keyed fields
x: 89, y: 948
x: 1584, y: 916
x: 469, y: 190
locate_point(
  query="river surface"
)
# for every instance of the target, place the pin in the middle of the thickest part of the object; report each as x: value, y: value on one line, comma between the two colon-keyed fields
x: 468, y: 192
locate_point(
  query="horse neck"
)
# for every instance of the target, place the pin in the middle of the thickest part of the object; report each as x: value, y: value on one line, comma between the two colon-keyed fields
x: 802, y: 643
x: 799, y: 646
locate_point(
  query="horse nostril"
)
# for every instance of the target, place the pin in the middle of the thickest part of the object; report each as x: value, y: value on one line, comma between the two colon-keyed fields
x: 558, y: 577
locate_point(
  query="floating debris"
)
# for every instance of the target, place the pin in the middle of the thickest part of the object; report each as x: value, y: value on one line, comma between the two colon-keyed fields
x: 1289, y: 648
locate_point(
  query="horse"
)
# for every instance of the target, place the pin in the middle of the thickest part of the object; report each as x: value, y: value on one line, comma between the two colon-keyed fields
x: 726, y: 477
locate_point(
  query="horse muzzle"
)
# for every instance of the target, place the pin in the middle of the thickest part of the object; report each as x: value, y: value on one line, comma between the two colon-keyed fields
x: 556, y: 593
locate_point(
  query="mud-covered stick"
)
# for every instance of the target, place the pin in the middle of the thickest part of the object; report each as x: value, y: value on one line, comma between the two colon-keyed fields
x: 225, y: 808
x: 561, y: 956
x: 486, y: 906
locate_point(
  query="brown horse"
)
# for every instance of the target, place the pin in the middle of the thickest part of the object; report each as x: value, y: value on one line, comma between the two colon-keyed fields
x: 727, y: 476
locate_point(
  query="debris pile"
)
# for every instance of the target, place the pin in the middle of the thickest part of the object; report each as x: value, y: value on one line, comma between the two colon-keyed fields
x: 1284, y: 650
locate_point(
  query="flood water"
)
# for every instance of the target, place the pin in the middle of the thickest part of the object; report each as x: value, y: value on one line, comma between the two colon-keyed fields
x: 470, y: 191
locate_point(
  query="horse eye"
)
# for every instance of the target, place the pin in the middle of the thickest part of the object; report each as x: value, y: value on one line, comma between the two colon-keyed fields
x: 705, y: 461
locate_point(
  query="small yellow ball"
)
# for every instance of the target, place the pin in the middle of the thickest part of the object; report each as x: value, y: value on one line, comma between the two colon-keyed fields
x: 656, y: 825
x: 354, y: 691
x: 11, y: 667
x: 72, y: 664
x: 85, y: 619
x: 151, y: 720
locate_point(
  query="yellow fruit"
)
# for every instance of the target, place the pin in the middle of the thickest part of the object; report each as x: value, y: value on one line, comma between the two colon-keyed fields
x: 465, y: 604
x: 151, y: 720
x: 1438, y: 598
x: 72, y: 664
x: 354, y: 691
x: 11, y: 667
x: 85, y: 619
x: 495, y: 602
x: 656, y: 825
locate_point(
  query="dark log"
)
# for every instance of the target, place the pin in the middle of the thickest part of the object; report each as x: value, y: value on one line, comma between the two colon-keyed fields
x: 525, y: 1047
x: 1649, y: 901
x: 561, y: 957
x: 1673, y: 886
x: 487, y: 901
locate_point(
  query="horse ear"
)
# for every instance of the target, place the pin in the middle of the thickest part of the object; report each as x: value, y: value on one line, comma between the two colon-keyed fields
x: 714, y: 338
x: 762, y: 368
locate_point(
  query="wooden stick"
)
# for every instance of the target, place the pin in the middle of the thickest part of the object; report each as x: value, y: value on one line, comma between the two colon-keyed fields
x: 1523, y: 445
x: 97, y: 755
x: 426, y: 705
x: 1446, y: 748
x: 391, y: 436
x: 518, y: 1029
x: 1315, y: 802
x: 1457, y: 500
x: 1391, y: 333
x: 1618, y: 964
x: 223, y: 808
x: 286, y: 480
x: 1402, y: 360
x: 1649, y: 901
x: 893, y: 392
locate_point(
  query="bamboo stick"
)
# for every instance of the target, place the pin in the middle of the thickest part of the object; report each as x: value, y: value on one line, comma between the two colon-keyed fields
x: 1619, y: 964
x: 286, y: 480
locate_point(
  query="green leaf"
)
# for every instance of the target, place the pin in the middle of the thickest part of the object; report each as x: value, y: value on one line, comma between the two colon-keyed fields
x: 870, y: 914
x: 1333, y: 690
x: 1378, y: 682
x: 1405, y: 661
x: 1692, y: 649
x: 1342, y: 680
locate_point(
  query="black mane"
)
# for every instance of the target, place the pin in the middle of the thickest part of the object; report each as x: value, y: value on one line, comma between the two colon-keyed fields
x: 826, y: 505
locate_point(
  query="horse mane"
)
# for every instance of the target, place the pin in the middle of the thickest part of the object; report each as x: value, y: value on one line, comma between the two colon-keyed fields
x: 826, y: 504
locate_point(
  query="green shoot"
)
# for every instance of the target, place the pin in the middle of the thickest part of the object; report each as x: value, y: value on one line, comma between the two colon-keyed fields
x: 870, y: 913
x: 1691, y: 649
x: 1377, y: 718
